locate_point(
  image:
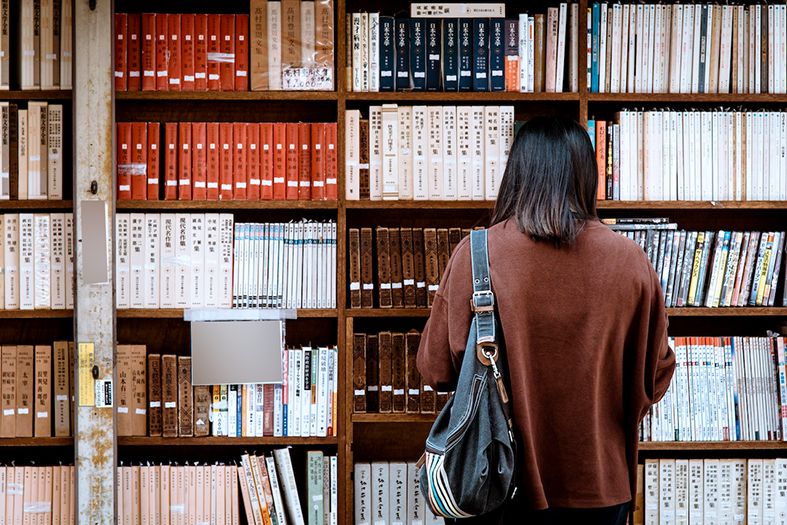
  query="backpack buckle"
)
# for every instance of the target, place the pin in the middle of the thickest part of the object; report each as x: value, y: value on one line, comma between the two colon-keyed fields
x: 483, y: 301
x: 487, y: 353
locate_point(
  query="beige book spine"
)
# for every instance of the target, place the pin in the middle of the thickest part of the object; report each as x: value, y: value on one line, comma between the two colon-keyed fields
x: 8, y: 388
x: 43, y: 395
x: 24, y: 391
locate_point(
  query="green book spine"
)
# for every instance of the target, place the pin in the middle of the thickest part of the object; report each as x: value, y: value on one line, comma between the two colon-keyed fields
x: 315, y: 500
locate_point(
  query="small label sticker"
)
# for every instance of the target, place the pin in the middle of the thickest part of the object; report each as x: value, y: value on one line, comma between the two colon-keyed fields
x: 86, y: 359
x: 104, y: 393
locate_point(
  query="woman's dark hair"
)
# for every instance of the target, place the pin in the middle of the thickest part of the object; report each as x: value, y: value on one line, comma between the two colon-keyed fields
x: 549, y: 185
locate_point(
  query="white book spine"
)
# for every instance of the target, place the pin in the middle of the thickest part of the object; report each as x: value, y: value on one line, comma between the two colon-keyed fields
x: 352, y: 154
x: 420, y: 157
x: 561, y: 47
x: 522, y: 42
x: 676, y: 45
x: 183, y: 260
x: 374, y: 52
x: 415, y: 502
x: 398, y: 493
x: 362, y: 493
x: 136, y: 260
x: 478, y: 143
x: 449, y: 154
x: 287, y: 476
x: 464, y: 153
x: 687, y: 49
x: 754, y: 513
x: 651, y: 490
x: 23, y: 153
x: 380, y: 493
x: 638, y: 73
x: 364, y: 31
x: 42, y: 256
x: 5, y: 147
x: 434, y: 122
x: 725, y: 54
x: 69, y: 259
x: 390, y: 152
x: 26, y: 265
x: 657, y: 45
x: 167, y: 262
x: 507, y: 117
x: 375, y: 153
x: 405, y: 152
x: 667, y: 492
x: 66, y: 44
x: 211, y: 260
x: 122, y: 260
x: 492, y: 172
x: 152, y: 265
x: 696, y: 81
x: 625, y: 29
x: 55, y: 151
x: 274, y: 45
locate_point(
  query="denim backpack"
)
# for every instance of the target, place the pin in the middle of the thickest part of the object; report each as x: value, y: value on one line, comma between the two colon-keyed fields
x: 468, y: 467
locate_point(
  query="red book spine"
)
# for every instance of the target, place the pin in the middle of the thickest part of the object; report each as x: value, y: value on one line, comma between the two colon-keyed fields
x: 331, y: 162
x: 241, y: 52
x: 279, y: 160
x: 121, y: 52
x: 239, y: 174
x: 201, y: 52
x: 148, y: 52
x: 253, y: 161
x: 134, y: 52
x: 124, y: 160
x: 184, y: 161
x: 291, y: 168
x: 199, y: 161
x: 266, y: 161
x: 154, y: 135
x: 171, y: 161
x: 162, y: 52
x: 214, y: 146
x: 173, y: 24
x: 214, y: 38
x: 318, y: 161
x: 187, y: 52
x: 304, y: 161
x: 225, y: 171
x: 139, y: 161
x: 227, y: 50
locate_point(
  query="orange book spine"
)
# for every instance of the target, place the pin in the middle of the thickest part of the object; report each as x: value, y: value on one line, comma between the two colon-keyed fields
x: 187, y: 52
x: 279, y: 160
x: 134, y: 52
x: 148, y: 52
x: 214, y: 146
x: 201, y: 52
x: 174, y: 65
x: 139, y: 161
x: 184, y: 161
x: 124, y: 160
x: 266, y: 161
x: 171, y: 161
x: 227, y: 50
x: 239, y: 173
x: 291, y: 168
x: 225, y: 171
x: 331, y: 162
x: 512, y: 73
x: 601, y: 158
x: 241, y: 52
x: 253, y: 161
x: 304, y: 161
x: 154, y: 137
x: 214, y: 37
x: 199, y: 161
x: 318, y: 161
x: 162, y: 52
x: 121, y: 52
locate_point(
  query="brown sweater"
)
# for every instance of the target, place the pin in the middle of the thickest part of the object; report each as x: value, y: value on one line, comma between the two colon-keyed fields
x: 586, y: 339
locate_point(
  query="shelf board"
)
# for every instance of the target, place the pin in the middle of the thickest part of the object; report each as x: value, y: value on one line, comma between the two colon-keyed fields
x: 689, y: 98
x: 691, y: 205
x: 419, y: 205
x: 226, y: 205
x: 37, y: 442
x: 36, y: 94
x: 393, y: 418
x: 177, y: 313
x: 145, y: 441
x: 747, y: 311
x: 301, y: 96
x: 388, y: 312
x: 36, y: 204
x: 35, y: 314
x: 465, y: 96
x: 713, y: 445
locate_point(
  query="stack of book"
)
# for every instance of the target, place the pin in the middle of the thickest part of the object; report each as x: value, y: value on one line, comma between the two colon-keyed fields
x: 227, y: 161
x: 427, y: 152
x: 687, y: 48
x: 724, y: 389
x: 270, y: 493
x: 389, y: 492
x: 42, y: 56
x: 31, y: 151
x: 464, y: 47
x: 691, y: 155
x: 385, y: 376
x: 33, y: 493
x: 710, y: 269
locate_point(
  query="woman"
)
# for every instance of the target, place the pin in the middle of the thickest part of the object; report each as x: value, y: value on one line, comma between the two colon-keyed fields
x: 585, y: 329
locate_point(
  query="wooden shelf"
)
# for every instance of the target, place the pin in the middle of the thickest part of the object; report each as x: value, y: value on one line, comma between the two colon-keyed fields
x: 36, y: 205
x: 37, y: 442
x: 713, y: 445
x: 144, y: 441
x: 177, y: 313
x: 689, y: 98
x: 393, y: 418
x: 36, y: 94
x: 388, y: 312
x: 419, y: 205
x: 748, y: 311
x: 35, y: 314
x: 465, y: 96
x: 692, y: 205
x: 226, y: 205
x: 300, y: 96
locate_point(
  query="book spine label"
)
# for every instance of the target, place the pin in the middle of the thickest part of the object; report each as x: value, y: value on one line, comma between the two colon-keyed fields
x: 187, y: 22
x: 403, y: 56
x: 433, y: 54
x: 465, y: 54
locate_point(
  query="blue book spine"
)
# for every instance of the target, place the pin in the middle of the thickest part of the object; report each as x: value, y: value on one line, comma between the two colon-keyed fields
x: 418, y: 53
x: 594, y: 50
x: 465, y: 54
x: 240, y: 419
x: 450, y: 54
x: 402, y: 54
x: 592, y: 133
x: 480, y: 54
x: 387, y: 54
x: 433, y: 52
x: 497, y: 59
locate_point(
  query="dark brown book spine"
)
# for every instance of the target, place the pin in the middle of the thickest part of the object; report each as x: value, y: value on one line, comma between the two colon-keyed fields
x: 431, y: 264
x: 169, y: 395
x: 398, y: 367
x: 454, y: 237
x: 185, y: 397
x: 372, y: 373
x: 442, y: 399
x: 359, y: 373
x: 154, y: 394
x: 443, y: 250
x: 384, y: 267
x: 428, y: 398
x: 420, y: 268
x: 201, y: 411
x: 354, y: 265
x: 386, y: 372
x: 395, y: 251
x: 367, y: 285
x: 466, y: 232
x: 411, y: 342
x: 363, y: 160
x: 13, y: 151
x: 408, y: 268
x: 25, y: 382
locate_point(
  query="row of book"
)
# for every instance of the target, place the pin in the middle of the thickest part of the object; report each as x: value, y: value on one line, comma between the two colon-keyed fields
x: 687, y: 48
x: 270, y: 494
x: 227, y: 161
x: 42, y: 56
x: 389, y: 492
x: 385, y: 376
x: 724, y: 389
x: 746, y: 491
x: 155, y: 397
x: 282, y: 45
x: 463, y: 49
x: 427, y: 152
x: 409, y: 262
x: 711, y: 269
x: 691, y: 155
x: 38, y: 494
x: 31, y: 151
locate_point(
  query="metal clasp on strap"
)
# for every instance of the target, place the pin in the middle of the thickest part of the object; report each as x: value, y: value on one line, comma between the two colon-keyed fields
x: 486, y: 296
